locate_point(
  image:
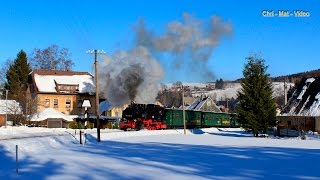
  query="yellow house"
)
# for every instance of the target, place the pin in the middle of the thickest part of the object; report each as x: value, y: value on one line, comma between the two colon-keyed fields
x: 62, y: 90
x: 106, y: 109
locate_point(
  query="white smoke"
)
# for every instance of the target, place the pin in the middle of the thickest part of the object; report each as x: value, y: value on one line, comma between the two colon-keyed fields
x: 135, y: 75
x: 190, y: 41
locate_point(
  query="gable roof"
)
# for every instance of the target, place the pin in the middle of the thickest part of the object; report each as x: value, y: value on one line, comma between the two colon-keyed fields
x: 45, y: 81
x: 10, y: 106
x: 305, y: 101
x: 198, y: 104
x: 104, y: 106
x: 49, y: 113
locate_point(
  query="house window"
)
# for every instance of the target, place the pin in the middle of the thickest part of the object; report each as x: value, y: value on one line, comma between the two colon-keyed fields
x: 47, y: 103
x: 55, y: 103
x: 68, y: 103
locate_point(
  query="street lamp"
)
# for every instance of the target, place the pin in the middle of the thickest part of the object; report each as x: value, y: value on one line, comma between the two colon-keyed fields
x: 6, y: 107
x: 86, y: 104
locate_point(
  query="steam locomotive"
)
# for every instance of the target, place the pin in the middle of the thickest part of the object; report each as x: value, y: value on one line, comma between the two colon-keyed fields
x: 155, y: 117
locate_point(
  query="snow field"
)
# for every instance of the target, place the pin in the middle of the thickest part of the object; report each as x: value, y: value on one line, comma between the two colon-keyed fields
x: 210, y: 153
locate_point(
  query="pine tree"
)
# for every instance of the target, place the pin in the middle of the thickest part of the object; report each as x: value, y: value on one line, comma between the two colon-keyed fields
x: 23, y: 67
x: 13, y: 82
x: 17, y: 75
x: 257, y: 109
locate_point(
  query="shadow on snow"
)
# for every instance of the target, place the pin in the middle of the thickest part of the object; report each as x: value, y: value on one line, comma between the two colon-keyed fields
x: 211, y: 162
x: 28, y: 168
x: 178, y: 160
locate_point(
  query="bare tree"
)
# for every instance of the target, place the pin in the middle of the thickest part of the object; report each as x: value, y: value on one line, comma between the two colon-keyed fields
x: 52, y: 57
x: 13, y: 110
x: 31, y: 105
x: 3, y: 71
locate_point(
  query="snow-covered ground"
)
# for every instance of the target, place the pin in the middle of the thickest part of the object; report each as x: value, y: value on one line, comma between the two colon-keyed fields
x: 167, y: 154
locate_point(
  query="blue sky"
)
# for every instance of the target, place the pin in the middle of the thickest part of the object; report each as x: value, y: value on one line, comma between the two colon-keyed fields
x: 289, y: 45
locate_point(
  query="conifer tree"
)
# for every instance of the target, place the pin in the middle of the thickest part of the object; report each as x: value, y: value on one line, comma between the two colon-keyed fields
x: 219, y: 84
x: 257, y: 109
x: 17, y: 75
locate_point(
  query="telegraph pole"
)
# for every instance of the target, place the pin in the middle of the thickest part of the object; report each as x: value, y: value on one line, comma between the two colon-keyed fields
x: 96, y: 52
x: 183, y: 112
x: 6, y: 107
x: 285, y: 91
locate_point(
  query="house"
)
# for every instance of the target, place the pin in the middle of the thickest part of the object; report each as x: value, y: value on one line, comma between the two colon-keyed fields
x: 204, y: 104
x: 228, y: 105
x: 302, y: 112
x: 106, y: 109
x: 11, y: 110
x: 63, y: 91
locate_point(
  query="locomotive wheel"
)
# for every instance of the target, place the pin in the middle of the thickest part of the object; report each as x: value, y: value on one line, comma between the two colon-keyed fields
x: 139, y: 126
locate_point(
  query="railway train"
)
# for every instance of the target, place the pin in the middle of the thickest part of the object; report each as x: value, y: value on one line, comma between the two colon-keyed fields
x: 154, y: 117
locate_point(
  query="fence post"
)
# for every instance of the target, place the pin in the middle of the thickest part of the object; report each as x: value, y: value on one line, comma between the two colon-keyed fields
x: 80, y: 137
x: 17, y: 160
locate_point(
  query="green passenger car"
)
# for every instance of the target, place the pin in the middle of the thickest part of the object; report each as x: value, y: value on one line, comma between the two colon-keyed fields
x: 193, y: 118
x: 174, y: 118
x: 234, y: 121
x: 214, y: 119
x: 210, y: 119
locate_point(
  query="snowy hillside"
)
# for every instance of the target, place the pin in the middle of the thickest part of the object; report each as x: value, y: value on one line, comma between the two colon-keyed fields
x: 230, y: 90
x: 167, y: 154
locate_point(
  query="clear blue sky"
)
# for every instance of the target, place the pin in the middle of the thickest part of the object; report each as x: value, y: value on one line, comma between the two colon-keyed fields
x: 289, y: 45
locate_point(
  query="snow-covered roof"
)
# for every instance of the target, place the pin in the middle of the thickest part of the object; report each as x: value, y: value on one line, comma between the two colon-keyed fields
x: 198, y: 104
x: 10, y: 106
x: 49, y: 113
x: 104, y: 106
x: 46, y: 81
x: 305, y: 100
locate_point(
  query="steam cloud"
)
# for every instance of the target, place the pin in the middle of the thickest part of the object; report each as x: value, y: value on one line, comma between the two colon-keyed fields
x: 130, y: 76
x: 136, y: 74
x: 190, y: 41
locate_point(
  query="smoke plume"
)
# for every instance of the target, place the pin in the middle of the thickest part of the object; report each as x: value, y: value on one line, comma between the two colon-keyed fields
x: 187, y: 46
x: 190, y: 42
x: 130, y: 76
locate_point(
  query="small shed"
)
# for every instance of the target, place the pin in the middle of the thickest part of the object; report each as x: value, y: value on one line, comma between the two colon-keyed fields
x: 51, y: 118
x: 10, y: 107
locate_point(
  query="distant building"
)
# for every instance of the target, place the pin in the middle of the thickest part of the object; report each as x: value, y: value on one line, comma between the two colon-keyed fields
x: 228, y: 105
x: 204, y: 104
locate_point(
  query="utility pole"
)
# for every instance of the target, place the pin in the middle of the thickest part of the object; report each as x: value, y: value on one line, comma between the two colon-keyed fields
x: 183, y: 112
x: 6, y: 107
x: 96, y: 52
x: 285, y: 91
